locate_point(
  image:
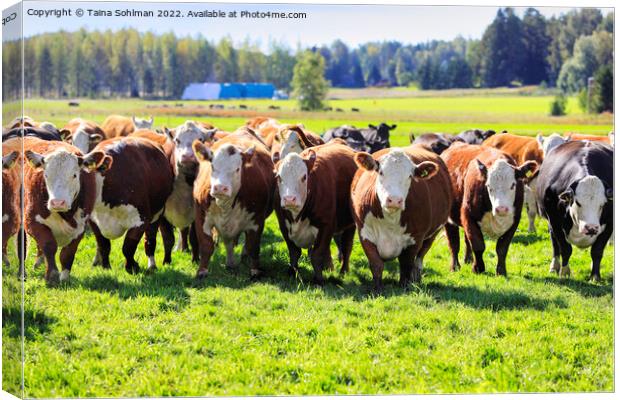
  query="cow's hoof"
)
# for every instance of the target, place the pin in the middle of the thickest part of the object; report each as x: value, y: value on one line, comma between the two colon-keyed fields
x: 132, y: 268
x: 468, y: 259
x: 5, y: 262
x: 201, y: 274
x: 377, y: 290
x: 38, y: 262
x: 256, y: 274
x: 319, y: 281
x: 233, y: 269
x: 65, y: 274
x: 97, y: 260
x: 565, y: 272
x: 293, y: 271
x: 167, y: 261
x: 554, y: 268
x: 595, y: 277
x: 150, y: 270
x: 52, y: 278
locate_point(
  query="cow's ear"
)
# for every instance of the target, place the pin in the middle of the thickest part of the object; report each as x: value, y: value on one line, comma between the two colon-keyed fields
x: 133, y: 119
x: 95, y: 138
x: 540, y: 139
x: 481, y: 167
x: 208, y: 135
x: 275, y: 157
x: 9, y: 160
x: 65, y: 135
x: 426, y: 170
x: 151, y: 120
x: 92, y: 160
x: 371, y: 126
x: 310, y: 160
x: 247, y: 154
x: 105, y: 165
x: 567, y: 196
x: 169, y: 133
x: 393, y: 127
x: 411, y: 138
x: 202, y: 152
x: 365, y: 161
x: 609, y: 193
x: 527, y: 170
x: 35, y: 159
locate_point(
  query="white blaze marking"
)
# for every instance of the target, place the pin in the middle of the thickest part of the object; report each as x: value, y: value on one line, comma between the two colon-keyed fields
x: 62, y: 175
x: 64, y: 275
x: 291, y: 171
x: 395, y: 179
x: 387, y: 234
x: 501, y: 186
x: 291, y: 145
x: 5, y: 217
x: 226, y: 169
x: 590, y: 195
x: 302, y: 233
x: 63, y: 232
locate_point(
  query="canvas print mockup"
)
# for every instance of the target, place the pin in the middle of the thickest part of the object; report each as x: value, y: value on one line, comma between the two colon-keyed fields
x: 218, y: 199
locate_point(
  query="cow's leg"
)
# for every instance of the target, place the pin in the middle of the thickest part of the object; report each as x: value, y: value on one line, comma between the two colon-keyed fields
x: 501, y: 248
x: 206, y: 244
x: 408, y: 269
x: 294, y: 253
x: 167, y: 237
x: 530, y: 205
x: 452, y: 233
x: 376, y: 264
x: 557, y: 253
x: 67, y: 255
x: 231, y: 264
x: 47, y: 244
x: 426, y: 246
x: 346, y: 246
x: 103, y: 247
x: 5, y: 259
x: 252, y: 248
x: 596, y: 253
x: 338, y: 241
x: 193, y: 241
x: 130, y: 244
x: 183, y: 240
x: 566, y: 250
x: 476, y: 239
x: 469, y: 255
x: 320, y: 255
x: 40, y: 259
x: 150, y: 244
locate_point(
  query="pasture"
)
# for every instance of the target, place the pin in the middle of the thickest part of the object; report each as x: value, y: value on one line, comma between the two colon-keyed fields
x: 108, y: 333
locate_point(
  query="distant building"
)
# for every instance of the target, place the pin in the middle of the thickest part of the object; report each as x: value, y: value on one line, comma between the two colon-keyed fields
x: 222, y: 91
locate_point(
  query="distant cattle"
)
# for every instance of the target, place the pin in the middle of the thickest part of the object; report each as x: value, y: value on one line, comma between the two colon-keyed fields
x: 11, y: 191
x: 131, y: 196
x: 488, y: 193
x: 272, y: 107
x: 355, y: 109
x: 475, y: 136
x: 339, y: 110
x: 371, y: 139
x: 401, y: 199
x: 312, y: 204
x: 437, y: 142
x: 575, y: 195
x: 521, y: 149
x: 293, y: 139
x: 74, y: 104
x: 233, y: 194
x: 59, y: 193
x: 83, y: 134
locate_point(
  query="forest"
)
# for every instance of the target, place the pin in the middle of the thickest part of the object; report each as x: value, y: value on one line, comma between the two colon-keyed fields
x: 514, y: 50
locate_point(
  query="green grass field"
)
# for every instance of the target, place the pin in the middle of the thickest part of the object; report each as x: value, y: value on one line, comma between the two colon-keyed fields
x: 107, y: 333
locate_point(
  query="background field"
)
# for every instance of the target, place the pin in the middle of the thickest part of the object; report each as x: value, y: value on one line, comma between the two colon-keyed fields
x: 107, y: 333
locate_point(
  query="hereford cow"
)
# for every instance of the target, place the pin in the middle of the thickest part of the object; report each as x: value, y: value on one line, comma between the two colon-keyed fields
x: 130, y: 200
x: 312, y: 204
x: 293, y: 139
x: 550, y: 142
x: 11, y: 188
x: 488, y: 193
x: 400, y: 200
x: 521, y: 149
x: 117, y: 125
x: 575, y: 195
x: 59, y: 195
x: 475, y: 136
x: 437, y: 142
x: 265, y: 128
x: 83, y: 134
x: 233, y: 194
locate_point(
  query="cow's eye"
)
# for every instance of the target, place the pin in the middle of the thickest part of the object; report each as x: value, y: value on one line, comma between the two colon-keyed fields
x: 578, y: 205
x: 238, y: 169
x: 74, y: 176
x: 177, y: 141
x: 381, y: 173
x: 303, y: 178
x: 513, y: 186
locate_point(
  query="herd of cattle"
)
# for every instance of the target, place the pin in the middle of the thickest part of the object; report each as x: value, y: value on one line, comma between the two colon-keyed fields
x: 125, y: 178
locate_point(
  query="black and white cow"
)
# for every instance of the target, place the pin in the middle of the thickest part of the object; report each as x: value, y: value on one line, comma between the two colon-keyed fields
x: 575, y: 194
x: 475, y: 136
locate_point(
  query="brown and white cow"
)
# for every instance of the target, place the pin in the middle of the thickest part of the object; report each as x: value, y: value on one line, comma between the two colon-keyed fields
x: 550, y: 142
x: 59, y: 196
x: 593, y: 138
x: 130, y: 199
x: 266, y: 128
x: 293, y: 138
x: 400, y: 200
x: 488, y: 193
x: 233, y: 194
x: 312, y: 204
x: 83, y: 134
x: 11, y: 189
x: 117, y: 125
x: 521, y: 149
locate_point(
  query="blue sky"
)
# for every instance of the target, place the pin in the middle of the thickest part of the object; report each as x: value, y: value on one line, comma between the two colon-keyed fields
x: 324, y: 23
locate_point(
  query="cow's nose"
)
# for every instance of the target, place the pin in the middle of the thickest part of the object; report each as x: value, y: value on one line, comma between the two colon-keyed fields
x: 221, y: 189
x: 591, y: 229
x: 188, y: 158
x: 394, y: 202
x: 501, y: 210
x: 57, y: 204
x: 289, y: 201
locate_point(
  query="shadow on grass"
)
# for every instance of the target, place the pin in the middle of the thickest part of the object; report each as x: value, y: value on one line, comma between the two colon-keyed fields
x: 528, y: 238
x: 35, y: 322
x: 584, y: 288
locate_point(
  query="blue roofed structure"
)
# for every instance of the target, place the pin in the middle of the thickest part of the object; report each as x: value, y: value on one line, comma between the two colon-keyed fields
x: 233, y: 90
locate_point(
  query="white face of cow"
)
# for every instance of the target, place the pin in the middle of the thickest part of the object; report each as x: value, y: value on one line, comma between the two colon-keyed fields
x: 291, y: 144
x: 549, y: 143
x: 226, y: 172
x: 395, y: 172
x: 61, y: 171
x: 586, y: 204
x: 81, y: 139
x: 183, y: 138
x: 140, y: 123
x: 501, y: 186
x: 292, y: 178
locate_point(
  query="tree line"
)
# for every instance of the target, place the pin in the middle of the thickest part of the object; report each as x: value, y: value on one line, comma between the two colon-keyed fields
x: 513, y: 50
